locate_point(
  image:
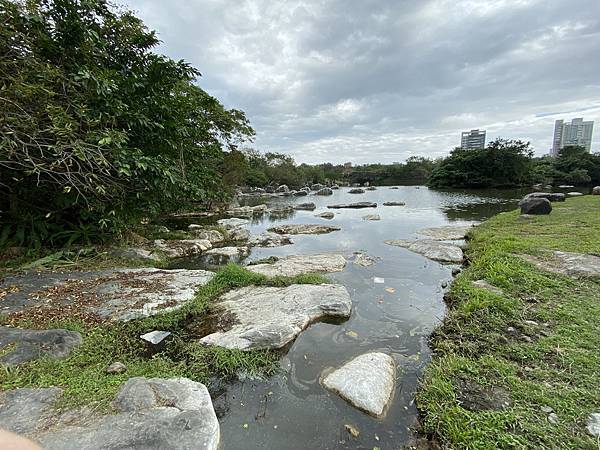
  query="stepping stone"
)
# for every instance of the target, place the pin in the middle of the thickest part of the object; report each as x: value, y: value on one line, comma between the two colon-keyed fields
x: 299, y: 264
x: 446, y: 233
x: 366, y: 382
x: 303, y: 229
x: 269, y: 239
x: 34, y: 344
x: 326, y: 215
x: 434, y: 250
x: 271, y: 317
x: 371, y: 217
x: 357, y: 205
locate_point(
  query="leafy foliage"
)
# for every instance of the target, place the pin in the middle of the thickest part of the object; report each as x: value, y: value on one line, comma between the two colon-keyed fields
x: 95, y: 128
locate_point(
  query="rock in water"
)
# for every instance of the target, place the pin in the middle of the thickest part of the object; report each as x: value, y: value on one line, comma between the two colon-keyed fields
x: 394, y: 204
x: 299, y: 264
x: 229, y: 252
x: 435, y: 250
x: 357, y: 205
x: 535, y: 206
x: 305, y: 207
x: 19, y: 345
x: 324, y: 191
x: 371, y: 217
x: 367, y: 382
x: 153, y: 414
x: 303, y: 229
x: 446, y: 233
x: 326, y: 215
x: 356, y: 191
x: 234, y: 222
x: 271, y: 317
x: 269, y: 239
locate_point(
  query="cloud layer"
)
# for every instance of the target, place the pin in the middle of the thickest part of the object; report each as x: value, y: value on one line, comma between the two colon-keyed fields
x: 379, y: 81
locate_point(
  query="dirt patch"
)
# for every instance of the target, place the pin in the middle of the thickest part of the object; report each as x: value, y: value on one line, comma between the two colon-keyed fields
x: 475, y: 397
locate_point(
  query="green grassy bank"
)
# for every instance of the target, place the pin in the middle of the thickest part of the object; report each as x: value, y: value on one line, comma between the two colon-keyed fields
x: 519, y: 368
x: 83, y: 375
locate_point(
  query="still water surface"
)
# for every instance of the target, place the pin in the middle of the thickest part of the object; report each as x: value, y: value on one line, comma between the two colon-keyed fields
x: 292, y: 410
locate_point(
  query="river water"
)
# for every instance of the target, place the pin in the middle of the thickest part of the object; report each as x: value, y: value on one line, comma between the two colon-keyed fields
x: 291, y: 410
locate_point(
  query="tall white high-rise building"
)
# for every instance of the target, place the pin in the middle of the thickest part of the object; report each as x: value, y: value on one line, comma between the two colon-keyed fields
x: 577, y: 133
x: 472, y: 139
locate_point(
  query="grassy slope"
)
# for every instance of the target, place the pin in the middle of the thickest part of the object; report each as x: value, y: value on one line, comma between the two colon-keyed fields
x: 83, y: 374
x: 559, y: 367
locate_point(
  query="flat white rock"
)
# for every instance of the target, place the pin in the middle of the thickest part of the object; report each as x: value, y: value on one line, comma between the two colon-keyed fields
x: 435, y: 250
x: 366, y: 382
x: 271, y: 317
x: 446, y: 233
x: 299, y: 264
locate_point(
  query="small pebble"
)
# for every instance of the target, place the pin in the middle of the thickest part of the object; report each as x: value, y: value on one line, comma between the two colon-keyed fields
x: 553, y: 418
x: 547, y: 409
x: 116, y: 368
x: 352, y: 430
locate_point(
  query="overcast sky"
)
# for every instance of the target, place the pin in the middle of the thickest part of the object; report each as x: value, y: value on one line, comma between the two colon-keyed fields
x: 379, y: 81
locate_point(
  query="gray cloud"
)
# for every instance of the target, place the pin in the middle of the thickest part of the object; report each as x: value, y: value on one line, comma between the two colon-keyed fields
x: 379, y: 81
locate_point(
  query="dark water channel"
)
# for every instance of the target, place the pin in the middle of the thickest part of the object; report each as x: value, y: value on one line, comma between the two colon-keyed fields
x: 292, y: 410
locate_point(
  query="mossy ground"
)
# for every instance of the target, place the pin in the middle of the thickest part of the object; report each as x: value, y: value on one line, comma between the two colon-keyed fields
x: 539, y: 340
x: 83, y: 374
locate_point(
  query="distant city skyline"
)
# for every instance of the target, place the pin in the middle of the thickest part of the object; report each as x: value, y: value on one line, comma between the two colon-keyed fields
x: 577, y: 132
x: 472, y: 139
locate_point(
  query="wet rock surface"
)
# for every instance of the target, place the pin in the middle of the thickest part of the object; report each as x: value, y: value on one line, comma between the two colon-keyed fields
x: 107, y: 295
x: 446, y: 233
x: 357, y: 205
x: 300, y: 264
x: 367, y: 382
x: 303, y: 229
x: 271, y: 317
x: 19, y: 345
x: 434, y: 250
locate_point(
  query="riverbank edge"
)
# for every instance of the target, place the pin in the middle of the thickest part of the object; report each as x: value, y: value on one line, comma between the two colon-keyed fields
x: 515, y: 364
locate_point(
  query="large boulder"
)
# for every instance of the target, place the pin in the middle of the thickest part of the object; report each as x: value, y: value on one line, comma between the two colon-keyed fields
x: 151, y: 414
x: 102, y: 295
x: 19, y: 345
x: 222, y: 254
x: 317, y: 187
x: 303, y: 228
x: 596, y: 190
x: 550, y: 196
x: 356, y: 191
x: 305, y: 207
x: 271, y: 317
x: 269, y: 239
x: 300, y: 193
x: 180, y: 248
x: 324, y: 191
x: 535, y: 206
x: 212, y: 236
x: 434, y: 250
x: 238, y: 234
x: 357, y: 205
x: 366, y: 382
x: 299, y: 264
x: 282, y: 188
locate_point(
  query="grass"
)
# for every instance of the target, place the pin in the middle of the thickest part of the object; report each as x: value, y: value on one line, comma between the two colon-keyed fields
x: 538, y: 341
x: 83, y: 374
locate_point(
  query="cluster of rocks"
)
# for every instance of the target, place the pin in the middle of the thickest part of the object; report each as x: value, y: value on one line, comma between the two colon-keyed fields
x: 284, y: 191
x: 540, y: 203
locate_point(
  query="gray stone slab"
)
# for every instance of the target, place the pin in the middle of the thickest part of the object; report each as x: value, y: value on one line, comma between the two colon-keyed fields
x: 300, y: 264
x: 303, y: 228
x: 435, y: 250
x: 18, y: 345
x: 446, y: 233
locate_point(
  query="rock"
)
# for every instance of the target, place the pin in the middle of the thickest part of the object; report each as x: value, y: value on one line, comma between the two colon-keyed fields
x: 371, y: 217
x: 394, y: 187
x: 364, y: 260
x: 300, y: 193
x: 394, y: 204
x: 238, y: 234
x: 326, y: 215
x: 303, y: 229
x: 18, y: 345
x: 335, y: 187
x: 367, y: 382
x: 357, y: 205
x: 456, y: 271
x: 546, y: 409
x: 596, y: 190
x: 435, y: 250
x: 446, y: 233
x: 550, y: 196
x: 593, y: 424
x: 352, y: 430
x: 23, y: 410
x: 535, y: 206
x: 162, y: 229
x: 212, y: 236
x: 234, y: 222
x: 240, y: 211
x: 553, y: 418
x: 483, y: 284
x: 229, y: 252
x: 180, y: 248
x: 152, y: 414
x: 574, y: 194
x: 305, y: 207
x: 138, y: 254
x: 317, y: 187
x: 282, y: 188
x: 271, y: 317
x: 356, y: 191
x: 269, y: 239
x: 155, y: 337
x: 116, y: 368
x: 371, y: 188
x: 122, y: 294
x: 576, y: 265
x: 324, y: 191
x: 565, y: 186
x: 298, y: 264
